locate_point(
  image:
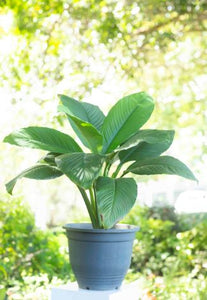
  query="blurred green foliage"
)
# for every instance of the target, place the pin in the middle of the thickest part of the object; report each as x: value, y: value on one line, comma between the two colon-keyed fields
x: 171, y: 288
x: 125, y: 36
x: 26, y: 250
x: 168, y: 259
x: 163, y: 248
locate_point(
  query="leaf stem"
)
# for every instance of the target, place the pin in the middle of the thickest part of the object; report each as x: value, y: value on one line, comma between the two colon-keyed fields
x: 123, y: 174
x: 92, y: 199
x: 114, y: 175
x: 96, y: 209
x: 105, y: 172
x: 89, y: 207
x: 109, y: 162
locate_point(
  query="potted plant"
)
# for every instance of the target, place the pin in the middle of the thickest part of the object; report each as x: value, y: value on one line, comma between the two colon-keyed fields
x: 113, y: 151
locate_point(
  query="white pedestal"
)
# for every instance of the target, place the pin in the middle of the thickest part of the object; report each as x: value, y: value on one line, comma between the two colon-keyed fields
x: 71, y: 291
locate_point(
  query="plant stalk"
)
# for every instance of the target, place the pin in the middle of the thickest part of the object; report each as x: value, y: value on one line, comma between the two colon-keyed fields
x: 92, y: 199
x: 89, y: 208
x: 105, y: 170
x: 96, y: 209
x: 114, y: 175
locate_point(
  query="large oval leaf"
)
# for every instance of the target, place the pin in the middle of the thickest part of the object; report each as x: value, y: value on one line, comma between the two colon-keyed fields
x: 84, y: 111
x: 146, y: 144
x: 125, y: 118
x: 151, y: 136
x: 38, y: 172
x: 43, y: 138
x: 115, y: 197
x: 161, y: 165
x: 86, y: 132
x: 81, y: 168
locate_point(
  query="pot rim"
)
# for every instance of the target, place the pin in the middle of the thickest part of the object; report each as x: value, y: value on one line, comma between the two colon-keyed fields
x: 87, y: 227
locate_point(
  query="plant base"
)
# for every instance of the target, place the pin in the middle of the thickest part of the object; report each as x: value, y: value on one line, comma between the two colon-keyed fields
x: 100, y: 258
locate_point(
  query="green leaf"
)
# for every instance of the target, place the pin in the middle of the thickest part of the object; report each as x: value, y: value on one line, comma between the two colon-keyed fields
x: 81, y: 168
x: 84, y: 111
x: 115, y: 198
x: 146, y: 144
x: 43, y: 138
x: 38, y: 172
x: 86, y: 132
x: 49, y: 158
x: 151, y: 136
x: 161, y: 165
x: 125, y: 118
x: 93, y: 138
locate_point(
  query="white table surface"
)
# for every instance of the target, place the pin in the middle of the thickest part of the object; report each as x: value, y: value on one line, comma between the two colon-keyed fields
x: 71, y: 291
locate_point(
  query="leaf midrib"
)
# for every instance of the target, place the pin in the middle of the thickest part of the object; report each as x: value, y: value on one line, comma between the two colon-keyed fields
x: 114, y: 194
x: 115, y: 134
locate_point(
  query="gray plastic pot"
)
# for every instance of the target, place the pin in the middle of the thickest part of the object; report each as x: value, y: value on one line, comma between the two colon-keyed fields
x: 100, y: 258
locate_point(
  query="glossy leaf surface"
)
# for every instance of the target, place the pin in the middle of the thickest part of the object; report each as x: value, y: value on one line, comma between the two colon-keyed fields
x: 86, y: 132
x: 125, y: 118
x: 38, y: 172
x: 81, y: 168
x: 82, y: 110
x: 115, y: 197
x: 148, y: 144
x: 43, y: 138
x: 161, y: 165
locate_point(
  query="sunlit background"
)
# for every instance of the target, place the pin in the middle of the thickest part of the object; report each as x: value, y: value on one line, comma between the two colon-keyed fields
x: 99, y: 51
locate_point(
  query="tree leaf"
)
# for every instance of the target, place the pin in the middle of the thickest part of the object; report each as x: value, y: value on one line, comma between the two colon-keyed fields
x: 38, y: 172
x: 115, y: 198
x: 81, y: 168
x: 161, y: 165
x: 84, y: 111
x: 125, y: 118
x: 43, y: 138
x: 86, y: 132
x: 147, y: 144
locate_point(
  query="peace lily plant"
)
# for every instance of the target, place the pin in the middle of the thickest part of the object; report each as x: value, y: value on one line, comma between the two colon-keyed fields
x: 116, y: 148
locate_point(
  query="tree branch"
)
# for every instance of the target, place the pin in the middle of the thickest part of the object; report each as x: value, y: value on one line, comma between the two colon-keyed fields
x: 181, y: 17
x: 157, y: 26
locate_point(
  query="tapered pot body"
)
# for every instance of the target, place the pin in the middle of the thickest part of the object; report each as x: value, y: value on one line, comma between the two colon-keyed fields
x: 100, y: 258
